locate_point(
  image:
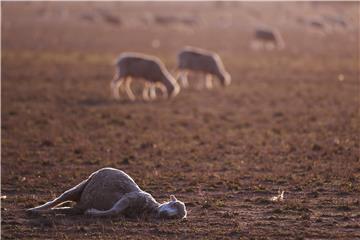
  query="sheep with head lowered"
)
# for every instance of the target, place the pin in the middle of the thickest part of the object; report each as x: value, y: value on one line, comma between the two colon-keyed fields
x: 111, y: 192
x: 269, y: 37
x: 148, y: 68
x: 203, y: 61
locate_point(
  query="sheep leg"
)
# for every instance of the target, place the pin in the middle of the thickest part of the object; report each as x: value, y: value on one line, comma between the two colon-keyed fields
x: 118, y: 207
x: 128, y: 89
x: 178, y: 74
x: 72, y: 194
x: 208, y: 81
x: 116, y: 89
x: 152, y: 91
x: 114, y: 81
x: 66, y: 210
x: 115, y: 85
x: 145, y: 92
x: 183, y: 79
x: 163, y: 90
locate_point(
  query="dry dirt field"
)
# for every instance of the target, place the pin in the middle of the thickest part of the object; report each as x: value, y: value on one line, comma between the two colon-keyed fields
x: 289, y: 120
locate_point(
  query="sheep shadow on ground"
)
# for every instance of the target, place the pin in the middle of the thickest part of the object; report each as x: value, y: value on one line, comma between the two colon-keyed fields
x: 101, y: 102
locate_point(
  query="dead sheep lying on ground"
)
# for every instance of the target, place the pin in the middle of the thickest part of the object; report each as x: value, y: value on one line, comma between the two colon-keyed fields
x: 202, y: 61
x: 148, y: 68
x: 111, y: 192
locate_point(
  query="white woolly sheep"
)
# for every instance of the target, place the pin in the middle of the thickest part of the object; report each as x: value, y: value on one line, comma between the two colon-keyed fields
x: 203, y: 61
x: 272, y: 36
x: 148, y: 68
x: 111, y: 192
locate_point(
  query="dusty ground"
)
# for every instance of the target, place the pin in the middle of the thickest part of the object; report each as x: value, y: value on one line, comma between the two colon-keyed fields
x: 290, y: 119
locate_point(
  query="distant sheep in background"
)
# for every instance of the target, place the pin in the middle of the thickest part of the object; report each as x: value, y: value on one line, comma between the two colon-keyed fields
x: 320, y: 26
x: 268, y: 36
x: 148, y: 68
x: 316, y: 24
x: 171, y: 19
x: 335, y: 21
x: 199, y: 60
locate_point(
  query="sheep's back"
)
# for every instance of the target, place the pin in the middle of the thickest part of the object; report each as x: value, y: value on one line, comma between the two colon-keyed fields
x: 105, y: 188
x: 140, y: 67
x: 197, y: 61
x: 265, y: 34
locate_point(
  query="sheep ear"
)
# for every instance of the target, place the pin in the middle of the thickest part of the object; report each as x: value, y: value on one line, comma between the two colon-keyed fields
x: 173, y: 198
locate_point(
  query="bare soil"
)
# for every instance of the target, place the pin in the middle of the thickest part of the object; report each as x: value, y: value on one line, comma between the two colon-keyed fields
x: 289, y: 120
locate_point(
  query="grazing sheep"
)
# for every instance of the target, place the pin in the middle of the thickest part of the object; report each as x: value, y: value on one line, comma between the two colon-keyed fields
x: 199, y: 60
x: 335, y: 21
x: 270, y: 36
x: 111, y: 192
x: 319, y: 25
x: 148, y: 68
